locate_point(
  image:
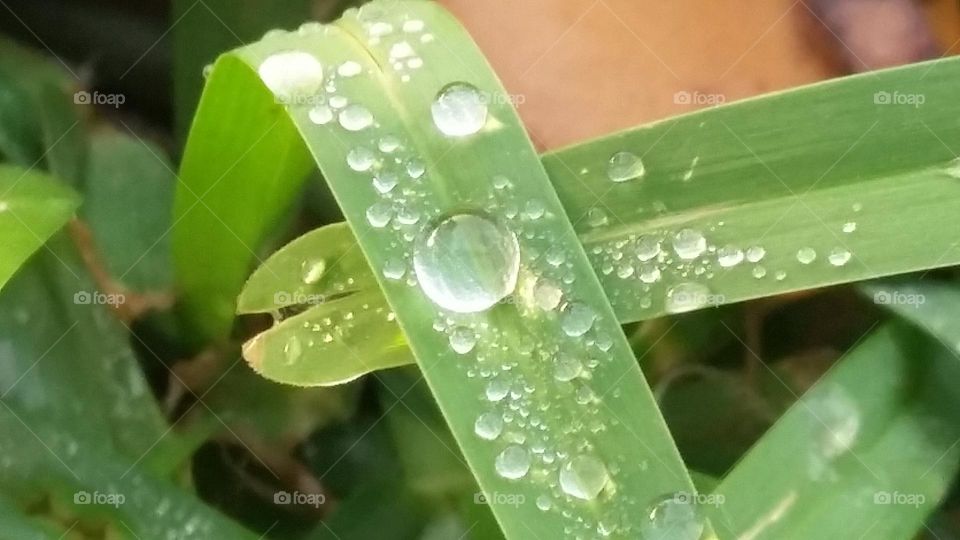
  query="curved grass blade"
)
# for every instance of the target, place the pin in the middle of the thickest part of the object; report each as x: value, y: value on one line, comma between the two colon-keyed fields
x: 868, y: 452
x: 587, y: 424
x: 33, y: 206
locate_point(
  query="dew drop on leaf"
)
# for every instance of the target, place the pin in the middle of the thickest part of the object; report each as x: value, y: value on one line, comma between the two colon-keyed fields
x: 355, y: 118
x: 462, y: 339
x: 292, y: 76
x: 488, y: 426
x: 513, y: 463
x: 806, y: 255
x: 624, y: 166
x: 459, y: 110
x: 577, y: 319
x: 467, y: 263
x: 583, y: 477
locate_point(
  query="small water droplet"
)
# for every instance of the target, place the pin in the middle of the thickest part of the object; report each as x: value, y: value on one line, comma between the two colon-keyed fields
x: 533, y: 209
x: 462, y: 339
x: 756, y: 254
x: 360, y: 159
x: 513, y: 463
x: 577, y: 319
x: 806, y: 255
x: 546, y: 295
x: 321, y: 115
x: 648, y: 247
x: 583, y: 477
x: 544, y: 503
x: 312, y: 271
x: 338, y: 102
x: 488, y: 426
x: 729, y: 256
x: 292, y: 349
x: 388, y: 144
x: 624, y: 166
x: 759, y: 272
x: 649, y: 273
x: 497, y: 389
x: 850, y: 226
x: 349, y: 69
x: 379, y: 29
x: 567, y: 368
x: 459, y: 110
x: 379, y: 214
x: 467, y: 263
x: 355, y: 118
x: 689, y: 244
x: 596, y: 217
x: 413, y: 26
x: 839, y: 256
x: 293, y: 76
x: 415, y: 168
x: 687, y: 297
x: 401, y: 49
x: 780, y: 276
x: 394, y: 269
x: 674, y: 517
x: 384, y: 182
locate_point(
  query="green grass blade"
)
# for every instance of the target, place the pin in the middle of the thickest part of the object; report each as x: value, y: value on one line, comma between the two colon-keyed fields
x: 572, y: 419
x: 867, y: 453
x: 33, y: 206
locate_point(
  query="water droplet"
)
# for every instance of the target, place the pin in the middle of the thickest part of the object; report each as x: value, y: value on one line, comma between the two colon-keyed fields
x: 338, y: 102
x: 380, y: 29
x: 624, y: 271
x: 729, y: 256
x: 462, y: 340
x: 544, y: 503
x: 533, y: 209
x: 687, y: 297
x: 459, y: 110
x: 467, y: 263
x: 360, y: 159
x: 488, y: 426
x: 567, y: 368
x: 546, y: 295
x: 293, y: 76
x: 321, y: 115
x: 497, y: 389
x: 577, y: 319
x: 624, y: 166
x: 583, y: 477
x: 349, y: 69
x: 413, y: 26
x: 849, y: 226
x: 689, y: 244
x: 292, y: 349
x: 384, y: 182
x: 756, y: 254
x: 555, y: 255
x: 388, y: 144
x: 401, y: 49
x: 648, y: 247
x: 312, y: 271
x: 780, y: 276
x: 759, y: 272
x: 596, y: 217
x: 513, y: 463
x: 806, y: 255
x: 355, y: 118
x: 415, y: 168
x: 649, y: 273
x: 379, y: 214
x: 394, y: 269
x: 839, y: 257
x: 674, y: 517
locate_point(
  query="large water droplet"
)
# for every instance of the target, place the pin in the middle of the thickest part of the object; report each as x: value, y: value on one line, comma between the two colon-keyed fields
x: 462, y: 340
x: 624, y: 166
x: 312, y: 271
x: 355, y: 118
x: 689, y: 244
x: 294, y: 77
x: 459, y: 110
x: 583, y: 477
x: 513, y: 462
x: 674, y: 517
x: 687, y: 297
x: 488, y: 426
x: 467, y: 263
x: 756, y: 254
x: 497, y: 389
x: 577, y: 319
x: 384, y: 182
x: 567, y: 368
x: 729, y: 256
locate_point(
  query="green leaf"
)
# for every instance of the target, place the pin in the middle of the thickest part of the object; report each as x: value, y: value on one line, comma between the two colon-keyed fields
x: 33, y: 206
x: 128, y: 201
x: 869, y: 451
x: 602, y: 431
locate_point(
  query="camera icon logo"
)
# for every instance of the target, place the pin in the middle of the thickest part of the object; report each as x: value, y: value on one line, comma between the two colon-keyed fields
x: 81, y: 497
x: 282, y: 497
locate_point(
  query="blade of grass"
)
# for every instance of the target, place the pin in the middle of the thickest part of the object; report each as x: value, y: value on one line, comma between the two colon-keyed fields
x: 593, y: 422
x: 867, y: 453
